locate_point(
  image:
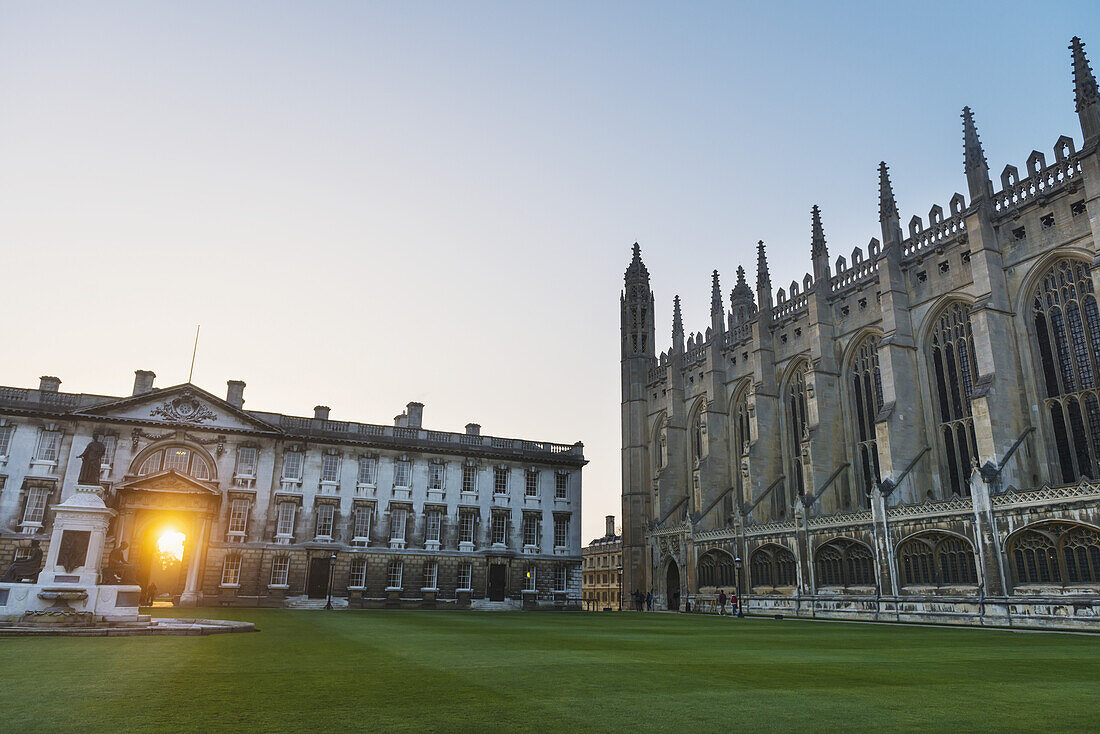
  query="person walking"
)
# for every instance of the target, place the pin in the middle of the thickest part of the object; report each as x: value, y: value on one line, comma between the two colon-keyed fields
x: 649, y: 601
x: 721, y: 602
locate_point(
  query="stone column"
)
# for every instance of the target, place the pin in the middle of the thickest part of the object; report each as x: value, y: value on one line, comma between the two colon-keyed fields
x: 988, y: 557
x: 884, y: 548
x: 191, y: 596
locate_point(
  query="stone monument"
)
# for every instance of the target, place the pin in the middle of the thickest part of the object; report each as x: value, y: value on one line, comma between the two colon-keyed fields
x: 68, y: 591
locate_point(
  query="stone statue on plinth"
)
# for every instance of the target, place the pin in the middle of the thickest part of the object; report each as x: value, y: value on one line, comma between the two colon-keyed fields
x: 92, y: 462
x: 25, y: 568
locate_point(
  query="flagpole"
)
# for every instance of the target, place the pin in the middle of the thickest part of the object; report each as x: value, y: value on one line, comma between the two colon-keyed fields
x: 194, y: 352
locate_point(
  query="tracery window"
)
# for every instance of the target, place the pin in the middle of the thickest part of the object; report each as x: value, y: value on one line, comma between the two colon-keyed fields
x: 180, y: 458
x: 866, y: 382
x: 952, y: 357
x: 843, y: 562
x: 1067, y: 333
x: 1057, y: 553
x: 772, y: 565
x: 716, y: 569
x: 936, y: 559
x: 740, y: 438
x: 794, y: 397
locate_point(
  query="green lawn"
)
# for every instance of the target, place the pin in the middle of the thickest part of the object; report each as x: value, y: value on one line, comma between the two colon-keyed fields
x: 447, y: 671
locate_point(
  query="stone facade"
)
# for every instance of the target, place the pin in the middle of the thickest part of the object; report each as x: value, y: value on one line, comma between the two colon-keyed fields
x: 406, y: 516
x: 602, y: 564
x: 908, y: 433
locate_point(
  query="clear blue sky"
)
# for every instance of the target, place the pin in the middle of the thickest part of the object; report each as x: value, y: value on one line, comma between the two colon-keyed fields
x: 366, y: 204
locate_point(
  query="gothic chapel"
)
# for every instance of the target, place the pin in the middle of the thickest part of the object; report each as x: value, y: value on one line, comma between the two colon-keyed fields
x: 911, y: 433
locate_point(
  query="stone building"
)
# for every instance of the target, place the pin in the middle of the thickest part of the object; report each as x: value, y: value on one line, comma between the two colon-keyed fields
x: 910, y: 432
x: 602, y: 566
x: 266, y: 502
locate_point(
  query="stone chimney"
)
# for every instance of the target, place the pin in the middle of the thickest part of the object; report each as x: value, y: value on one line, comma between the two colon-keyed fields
x: 143, y: 381
x: 415, y: 411
x: 473, y: 429
x: 46, y: 383
x: 320, y: 412
x: 234, y: 395
x: 610, y: 520
x: 402, y: 420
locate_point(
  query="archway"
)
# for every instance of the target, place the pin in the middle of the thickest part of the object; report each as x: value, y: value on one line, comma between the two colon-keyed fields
x: 672, y: 586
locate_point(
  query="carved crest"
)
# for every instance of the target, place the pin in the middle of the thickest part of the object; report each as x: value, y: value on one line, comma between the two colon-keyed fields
x: 185, y: 408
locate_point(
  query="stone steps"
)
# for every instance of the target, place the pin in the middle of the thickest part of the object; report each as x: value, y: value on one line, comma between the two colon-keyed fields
x: 303, y: 602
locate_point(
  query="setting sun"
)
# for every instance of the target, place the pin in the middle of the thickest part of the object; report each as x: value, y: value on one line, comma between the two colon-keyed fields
x: 170, y: 546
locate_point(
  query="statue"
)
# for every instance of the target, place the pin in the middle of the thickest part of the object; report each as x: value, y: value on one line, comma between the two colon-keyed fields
x: 25, y: 568
x: 92, y: 462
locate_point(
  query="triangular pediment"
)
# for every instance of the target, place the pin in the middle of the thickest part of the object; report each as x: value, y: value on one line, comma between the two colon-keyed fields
x: 182, y: 405
x: 168, y: 480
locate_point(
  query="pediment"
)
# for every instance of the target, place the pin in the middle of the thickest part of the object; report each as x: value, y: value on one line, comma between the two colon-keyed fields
x: 169, y: 480
x: 182, y: 405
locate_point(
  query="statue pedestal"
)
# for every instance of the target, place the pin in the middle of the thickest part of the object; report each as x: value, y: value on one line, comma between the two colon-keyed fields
x: 68, y: 589
x: 76, y: 544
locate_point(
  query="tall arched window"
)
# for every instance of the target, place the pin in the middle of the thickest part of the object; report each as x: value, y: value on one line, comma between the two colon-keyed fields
x: 739, y: 438
x: 866, y: 383
x: 936, y: 559
x: 952, y: 357
x: 1056, y: 553
x: 844, y: 562
x: 794, y: 398
x: 772, y: 565
x: 1067, y: 332
x: 699, y: 435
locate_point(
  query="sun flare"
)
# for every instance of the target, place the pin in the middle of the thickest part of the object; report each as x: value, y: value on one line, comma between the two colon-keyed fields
x: 170, y: 546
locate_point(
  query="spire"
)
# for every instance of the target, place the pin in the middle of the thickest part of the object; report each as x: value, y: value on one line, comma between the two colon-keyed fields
x: 677, y: 326
x: 977, y: 170
x: 762, y: 276
x: 888, y: 216
x: 818, y: 247
x: 636, y: 272
x: 1085, y: 91
x: 717, y: 308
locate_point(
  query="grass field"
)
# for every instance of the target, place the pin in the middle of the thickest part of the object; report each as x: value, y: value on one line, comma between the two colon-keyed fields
x: 447, y: 671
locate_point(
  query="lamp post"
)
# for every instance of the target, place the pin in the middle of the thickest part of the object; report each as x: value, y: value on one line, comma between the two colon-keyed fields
x: 619, y: 568
x: 737, y: 568
x: 331, y: 570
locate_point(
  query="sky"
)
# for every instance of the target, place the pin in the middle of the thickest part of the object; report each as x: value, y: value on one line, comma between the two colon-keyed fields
x: 365, y: 204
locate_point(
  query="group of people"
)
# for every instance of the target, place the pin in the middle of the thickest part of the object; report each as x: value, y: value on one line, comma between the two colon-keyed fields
x: 642, y: 601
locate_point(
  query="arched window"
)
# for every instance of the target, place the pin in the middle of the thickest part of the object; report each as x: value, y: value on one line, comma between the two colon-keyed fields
x: 739, y: 437
x: 699, y: 435
x: 794, y: 398
x: 716, y: 569
x: 1056, y: 553
x: 1067, y: 333
x: 952, y: 356
x: 772, y: 565
x: 866, y: 383
x: 183, y: 459
x: 936, y: 559
x: 843, y: 562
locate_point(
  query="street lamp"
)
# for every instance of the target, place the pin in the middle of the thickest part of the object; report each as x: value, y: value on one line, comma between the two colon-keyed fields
x: 737, y: 567
x: 619, y: 568
x: 331, y: 569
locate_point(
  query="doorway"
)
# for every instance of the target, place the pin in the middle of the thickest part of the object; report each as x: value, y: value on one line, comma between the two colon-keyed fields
x: 318, y: 578
x: 672, y: 586
x: 497, y: 575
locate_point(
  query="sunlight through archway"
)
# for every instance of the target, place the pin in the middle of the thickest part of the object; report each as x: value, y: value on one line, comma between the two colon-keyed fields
x: 170, y: 547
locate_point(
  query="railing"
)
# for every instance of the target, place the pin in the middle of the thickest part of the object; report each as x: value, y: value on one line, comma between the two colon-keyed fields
x: 789, y: 306
x: 342, y: 430
x: 18, y: 396
x: 938, y: 233
x: 1044, y: 182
